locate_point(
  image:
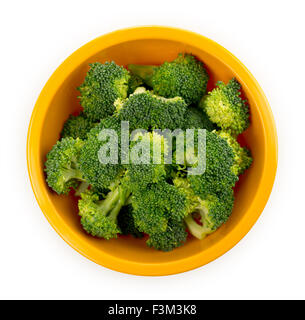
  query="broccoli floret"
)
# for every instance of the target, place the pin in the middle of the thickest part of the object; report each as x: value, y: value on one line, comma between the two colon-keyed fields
x: 154, y: 200
x: 147, y: 172
x: 225, y: 107
x: 99, y: 217
x: 184, y: 77
x: 147, y: 111
x: 100, y: 175
x: 77, y: 127
x: 82, y: 187
x: 174, y: 237
x: 218, y: 173
x: 103, y: 84
x: 155, y: 205
x: 197, y: 119
x: 134, y: 82
x: 211, y: 211
x: 242, y: 156
x: 126, y: 222
x: 135, y: 109
x: 214, y: 211
x: 62, y: 165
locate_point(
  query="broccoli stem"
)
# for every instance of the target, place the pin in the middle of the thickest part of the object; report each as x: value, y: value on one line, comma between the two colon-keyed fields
x: 198, y: 231
x: 110, y: 201
x: 71, y: 173
x: 114, y: 202
x: 144, y: 72
x: 129, y: 200
x: 124, y: 194
x: 82, y: 188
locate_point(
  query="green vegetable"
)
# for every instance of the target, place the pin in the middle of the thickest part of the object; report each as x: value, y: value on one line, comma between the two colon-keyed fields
x: 77, y: 127
x: 225, y: 107
x: 242, y: 156
x: 147, y: 172
x: 165, y: 199
x: 218, y: 173
x: 134, y: 82
x: 198, y: 119
x: 145, y: 110
x: 103, y: 84
x: 174, y: 237
x: 212, y: 213
x: 99, y: 217
x: 184, y: 77
x: 126, y: 222
x: 155, y: 204
x: 62, y: 166
x: 100, y: 175
x: 212, y: 210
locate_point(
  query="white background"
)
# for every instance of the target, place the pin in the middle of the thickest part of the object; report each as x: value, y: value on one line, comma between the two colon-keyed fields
x: 267, y: 36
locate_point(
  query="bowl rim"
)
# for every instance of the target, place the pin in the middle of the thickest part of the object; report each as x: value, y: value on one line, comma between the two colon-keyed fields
x: 113, y: 262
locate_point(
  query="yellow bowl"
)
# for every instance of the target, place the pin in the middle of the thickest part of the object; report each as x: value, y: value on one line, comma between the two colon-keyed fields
x: 150, y: 45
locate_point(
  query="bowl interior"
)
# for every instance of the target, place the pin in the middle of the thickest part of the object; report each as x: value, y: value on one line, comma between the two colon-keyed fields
x: 150, y: 51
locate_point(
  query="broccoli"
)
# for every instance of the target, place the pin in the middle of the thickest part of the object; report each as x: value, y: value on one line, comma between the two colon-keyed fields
x: 242, y: 156
x: 100, y: 175
x: 145, y: 110
x: 126, y: 222
x: 147, y: 172
x: 225, y: 107
x: 132, y: 185
x: 99, y: 217
x: 77, y: 127
x: 82, y: 187
x: 134, y: 82
x: 135, y: 109
x: 62, y: 165
x: 211, y: 211
x: 198, y: 119
x: 103, y: 84
x: 214, y: 211
x: 174, y: 237
x: 155, y: 204
x: 154, y: 200
x: 184, y: 77
x: 218, y: 173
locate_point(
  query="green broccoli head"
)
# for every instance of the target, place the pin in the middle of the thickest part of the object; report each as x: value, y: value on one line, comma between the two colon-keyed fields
x: 197, y: 119
x: 211, y: 211
x: 135, y: 109
x: 174, y: 237
x: 134, y: 83
x: 62, y: 165
x: 184, y: 77
x: 218, y: 173
x: 155, y: 205
x: 242, y: 156
x: 103, y: 84
x: 77, y: 127
x: 192, y: 200
x: 145, y: 110
x: 126, y: 222
x: 96, y: 218
x: 100, y: 175
x: 147, y: 171
x: 225, y: 107
x: 99, y: 217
